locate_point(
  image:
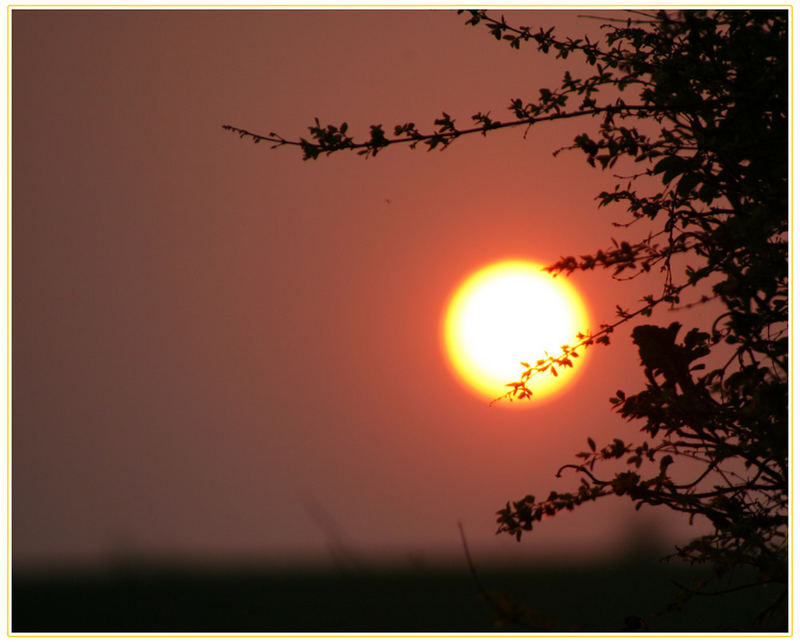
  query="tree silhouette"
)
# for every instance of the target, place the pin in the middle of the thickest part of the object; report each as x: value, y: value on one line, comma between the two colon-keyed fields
x: 694, y: 106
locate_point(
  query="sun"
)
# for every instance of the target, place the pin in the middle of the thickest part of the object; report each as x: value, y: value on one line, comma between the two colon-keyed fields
x: 508, y: 312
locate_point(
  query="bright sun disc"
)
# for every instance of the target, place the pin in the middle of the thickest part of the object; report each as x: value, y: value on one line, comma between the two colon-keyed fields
x: 509, y: 312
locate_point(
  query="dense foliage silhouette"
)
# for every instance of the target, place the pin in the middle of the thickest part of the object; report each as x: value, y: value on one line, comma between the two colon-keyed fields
x: 692, y: 107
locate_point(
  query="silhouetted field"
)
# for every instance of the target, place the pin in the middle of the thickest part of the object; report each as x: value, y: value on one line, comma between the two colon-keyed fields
x: 601, y: 598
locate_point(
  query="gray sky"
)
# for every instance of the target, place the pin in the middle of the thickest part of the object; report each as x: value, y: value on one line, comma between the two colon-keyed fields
x: 222, y: 351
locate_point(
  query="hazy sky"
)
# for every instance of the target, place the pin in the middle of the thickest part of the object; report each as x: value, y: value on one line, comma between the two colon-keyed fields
x: 220, y: 350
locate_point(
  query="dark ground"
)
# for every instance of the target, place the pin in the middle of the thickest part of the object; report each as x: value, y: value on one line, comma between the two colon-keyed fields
x: 611, y: 597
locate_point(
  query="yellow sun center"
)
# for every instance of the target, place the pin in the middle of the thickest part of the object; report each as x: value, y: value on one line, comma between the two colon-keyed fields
x: 506, y: 313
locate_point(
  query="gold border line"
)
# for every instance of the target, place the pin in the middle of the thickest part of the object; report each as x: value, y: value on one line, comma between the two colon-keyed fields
x: 791, y: 316
x: 8, y: 321
x: 11, y: 7
x: 498, y: 634
x: 378, y: 6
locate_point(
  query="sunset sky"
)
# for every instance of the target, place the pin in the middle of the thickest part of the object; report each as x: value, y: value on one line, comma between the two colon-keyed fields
x: 222, y: 352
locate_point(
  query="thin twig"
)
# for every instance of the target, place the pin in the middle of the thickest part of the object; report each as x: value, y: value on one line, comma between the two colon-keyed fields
x: 472, y: 570
x: 447, y: 135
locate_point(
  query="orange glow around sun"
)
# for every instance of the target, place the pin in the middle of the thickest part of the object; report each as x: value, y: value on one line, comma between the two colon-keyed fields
x: 508, y: 312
